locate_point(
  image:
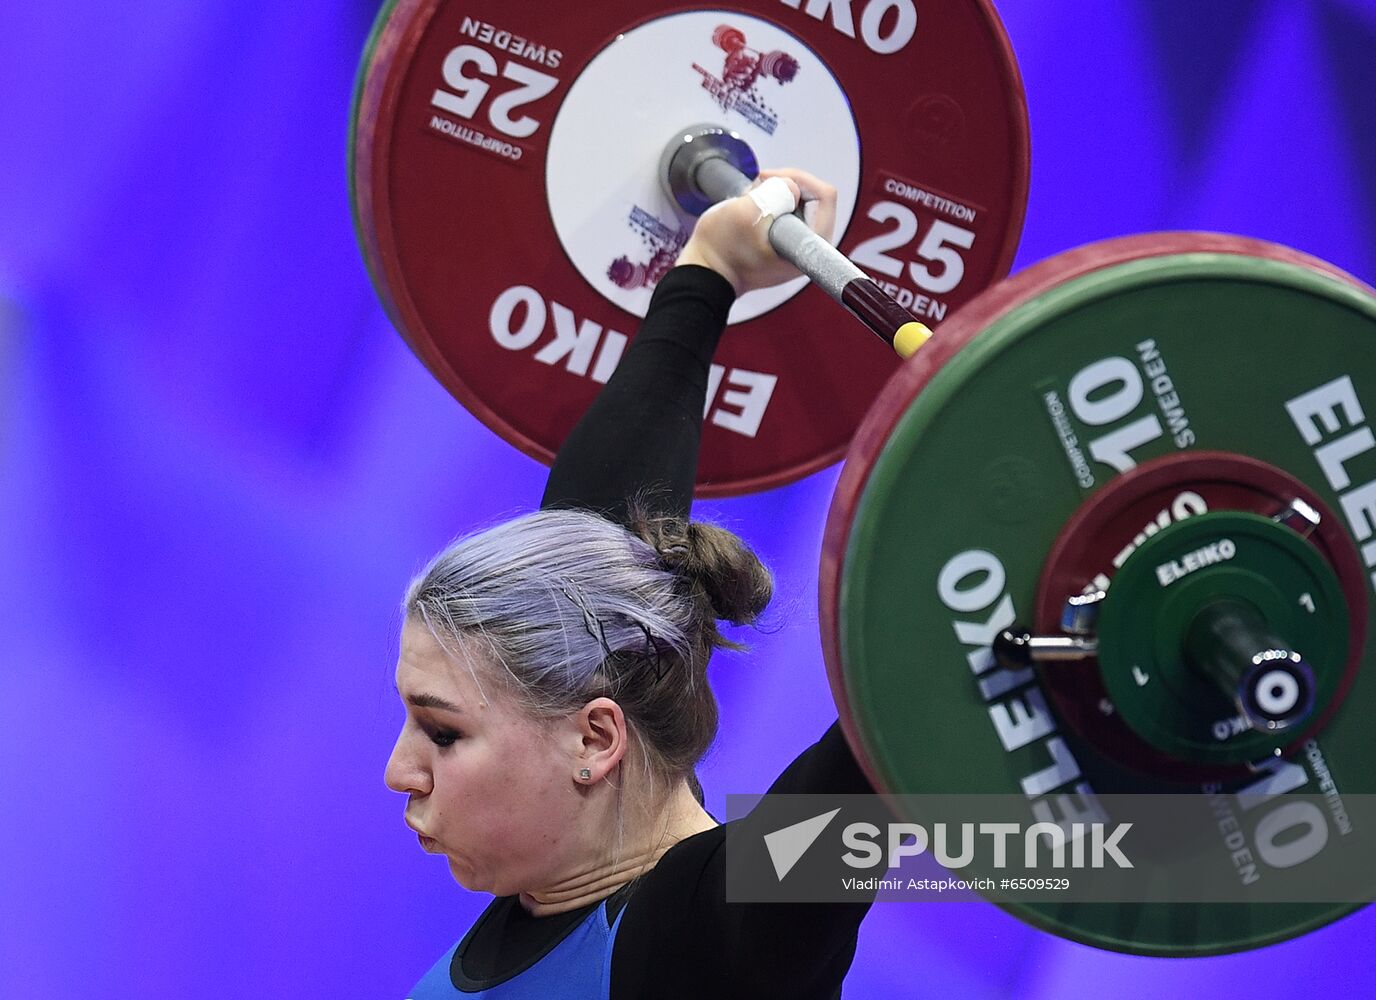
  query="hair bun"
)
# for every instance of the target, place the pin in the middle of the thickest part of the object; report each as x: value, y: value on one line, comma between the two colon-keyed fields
x: 729, y: 575
x: 736, y: 582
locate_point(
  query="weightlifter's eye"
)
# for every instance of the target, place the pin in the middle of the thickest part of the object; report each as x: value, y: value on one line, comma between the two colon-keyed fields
x: 443, y: 737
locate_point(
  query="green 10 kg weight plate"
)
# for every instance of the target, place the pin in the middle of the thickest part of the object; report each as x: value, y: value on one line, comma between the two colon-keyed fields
x: 1042, y: 394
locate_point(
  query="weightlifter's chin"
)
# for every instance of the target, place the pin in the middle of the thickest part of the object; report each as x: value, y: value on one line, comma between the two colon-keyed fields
x: 468, y: 878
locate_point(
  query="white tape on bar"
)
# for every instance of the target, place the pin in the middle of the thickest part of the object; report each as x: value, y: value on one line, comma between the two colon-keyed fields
x: 773, y: 198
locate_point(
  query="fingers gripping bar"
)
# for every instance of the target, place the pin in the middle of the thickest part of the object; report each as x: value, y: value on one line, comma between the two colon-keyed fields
x: 713, y: 175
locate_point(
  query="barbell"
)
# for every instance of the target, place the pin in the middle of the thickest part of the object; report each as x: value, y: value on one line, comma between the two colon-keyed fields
x: 1110, y: 530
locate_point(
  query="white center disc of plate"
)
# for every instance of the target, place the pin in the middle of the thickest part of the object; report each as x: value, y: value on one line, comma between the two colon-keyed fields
x: 615, y: 219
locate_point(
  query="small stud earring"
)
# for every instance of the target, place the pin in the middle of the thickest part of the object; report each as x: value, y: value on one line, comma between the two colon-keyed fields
x: 585, y: 774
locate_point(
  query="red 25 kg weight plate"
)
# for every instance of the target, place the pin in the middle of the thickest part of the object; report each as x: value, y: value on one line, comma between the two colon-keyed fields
x: 508, y: 201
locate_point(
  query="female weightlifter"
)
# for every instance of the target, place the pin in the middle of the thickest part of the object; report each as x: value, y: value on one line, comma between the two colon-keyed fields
x: 553, y: 670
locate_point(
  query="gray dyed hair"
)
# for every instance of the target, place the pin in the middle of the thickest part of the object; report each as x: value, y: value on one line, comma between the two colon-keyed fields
x: 573, y: 607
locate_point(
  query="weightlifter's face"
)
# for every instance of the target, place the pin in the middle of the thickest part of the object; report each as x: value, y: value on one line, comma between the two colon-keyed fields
x: 490, y: 788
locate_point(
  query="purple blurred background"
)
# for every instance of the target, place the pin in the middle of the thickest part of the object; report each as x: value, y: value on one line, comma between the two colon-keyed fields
x: 219, y: 465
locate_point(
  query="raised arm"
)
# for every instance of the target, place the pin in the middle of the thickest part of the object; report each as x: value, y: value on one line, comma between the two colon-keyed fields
x: 639, y: 440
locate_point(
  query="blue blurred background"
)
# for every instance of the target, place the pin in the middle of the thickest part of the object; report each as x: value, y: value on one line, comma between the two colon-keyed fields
x: 219, y: 465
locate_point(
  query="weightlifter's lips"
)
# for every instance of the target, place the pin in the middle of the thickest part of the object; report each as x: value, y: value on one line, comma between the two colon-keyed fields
x: 429, y: 844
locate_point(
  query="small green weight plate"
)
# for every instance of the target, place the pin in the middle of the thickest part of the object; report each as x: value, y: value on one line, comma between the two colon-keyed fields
x: 1159, y: 592
x: 981, y: 447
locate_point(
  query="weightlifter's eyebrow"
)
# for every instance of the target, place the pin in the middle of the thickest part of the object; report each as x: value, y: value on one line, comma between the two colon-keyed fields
x: 430, y: 701
x: 433, y: 701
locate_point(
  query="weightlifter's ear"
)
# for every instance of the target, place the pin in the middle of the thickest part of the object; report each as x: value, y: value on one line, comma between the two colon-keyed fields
x: 603, y: 739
